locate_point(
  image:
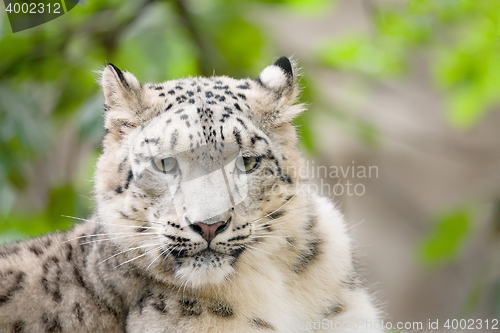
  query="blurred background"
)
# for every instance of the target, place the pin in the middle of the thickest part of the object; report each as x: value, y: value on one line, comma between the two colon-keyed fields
x: 410, y: 88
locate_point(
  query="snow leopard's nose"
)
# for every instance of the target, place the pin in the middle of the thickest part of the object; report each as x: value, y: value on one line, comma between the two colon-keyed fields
x: 209, y: 231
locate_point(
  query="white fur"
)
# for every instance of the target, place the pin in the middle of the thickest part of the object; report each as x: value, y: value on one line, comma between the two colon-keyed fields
x: 273, y: 77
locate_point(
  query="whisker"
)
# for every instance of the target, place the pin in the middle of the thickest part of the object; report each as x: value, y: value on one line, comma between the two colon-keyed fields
x: 108, y: 239
x: 278, y: 221
x: 131, y: 249
x: 142, y: 255
x: 106, y: 234
x: 131, y: 219
x: 163, y: 253
x: 264, y: 251
x: 269, y: 236
x: 99, y: 222
x: 274, y: 211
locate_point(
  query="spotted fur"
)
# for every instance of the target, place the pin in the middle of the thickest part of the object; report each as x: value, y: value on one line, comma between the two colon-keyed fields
x: 183, y: 239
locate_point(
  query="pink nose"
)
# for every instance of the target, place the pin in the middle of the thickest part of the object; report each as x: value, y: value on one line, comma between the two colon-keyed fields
x: 209, y: 231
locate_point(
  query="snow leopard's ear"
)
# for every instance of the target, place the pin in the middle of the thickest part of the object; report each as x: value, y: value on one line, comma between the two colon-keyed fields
x: 279, y: 76
x: 280, y: 81
x: 121, y: 97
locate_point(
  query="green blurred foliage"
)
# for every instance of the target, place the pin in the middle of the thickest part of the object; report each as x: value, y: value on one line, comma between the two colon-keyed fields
x: 445, y: 241
x: 459, y: 37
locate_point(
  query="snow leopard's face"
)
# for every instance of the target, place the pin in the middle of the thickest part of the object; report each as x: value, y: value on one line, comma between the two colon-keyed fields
x: 197, y: 172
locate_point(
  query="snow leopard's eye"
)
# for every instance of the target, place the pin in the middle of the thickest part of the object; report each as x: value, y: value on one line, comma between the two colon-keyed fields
x: 247, y: 163
x: 165, y: 165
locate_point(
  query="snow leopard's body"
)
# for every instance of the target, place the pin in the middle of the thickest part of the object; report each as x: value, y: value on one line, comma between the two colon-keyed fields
x: 279, y: 258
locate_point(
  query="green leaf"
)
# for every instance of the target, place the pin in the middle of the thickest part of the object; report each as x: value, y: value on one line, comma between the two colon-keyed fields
x: 404, y: 27
x: 240, y: 42
x: 359, y: 54
x: 62, y: 201
x: 444, y: 242
x: 465, y: 107
x: 306, y: 133
x: 155, y: 39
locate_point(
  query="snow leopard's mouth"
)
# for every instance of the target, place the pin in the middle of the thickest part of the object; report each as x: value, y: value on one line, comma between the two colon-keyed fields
x: 206, y: 254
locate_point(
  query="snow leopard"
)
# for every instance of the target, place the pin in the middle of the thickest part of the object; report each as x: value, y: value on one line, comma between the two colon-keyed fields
x: 203, y: 222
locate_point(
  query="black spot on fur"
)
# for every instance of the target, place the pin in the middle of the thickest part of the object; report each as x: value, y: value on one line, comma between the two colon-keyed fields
x: 51, y: 325
x: 68, y: 249
x: 353, y: 281
x: 237, y: 137
x: 190, y: 307
x: 276, y: 214
x: 141, y: 229
x: 169, y: 107
x: 221, y: 309
x: 291, y: 241
x: 36, y: 249
x: 159, y: 305
x: 256, y: 138
x: 173, y: 139
x: 236, y: 253
x: 244, y: 86
x: 261, y: 324
x: 307, y: 256
x: 162, y: 95
x: 119, y: 189
x: 8, y: 250
x: 267, y: 227
x: 333, y: 310
x: 312, y: 221
x: 78, y: 311
x: 242, y: 123
x: 10, y: 283
x: 129, y: 178
x: 122, y: 163
x: 158, y: 88
x: 142, y: 300
x: 51, y: 278
x: 18, y: 326
x: 237, y: 106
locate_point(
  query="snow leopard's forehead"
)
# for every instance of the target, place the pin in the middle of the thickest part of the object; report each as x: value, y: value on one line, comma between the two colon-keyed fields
x: 229, y: 92
x: 197, y: 111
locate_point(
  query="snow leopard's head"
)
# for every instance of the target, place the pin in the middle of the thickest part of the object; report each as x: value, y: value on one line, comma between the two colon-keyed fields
x: 199, y: 173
